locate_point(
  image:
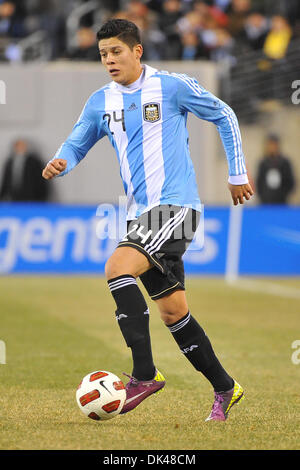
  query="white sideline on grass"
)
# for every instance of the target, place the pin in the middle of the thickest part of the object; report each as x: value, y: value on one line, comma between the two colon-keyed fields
x: 265, y: 287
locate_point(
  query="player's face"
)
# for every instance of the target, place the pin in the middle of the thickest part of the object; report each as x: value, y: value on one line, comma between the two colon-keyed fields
x: 122, y: 63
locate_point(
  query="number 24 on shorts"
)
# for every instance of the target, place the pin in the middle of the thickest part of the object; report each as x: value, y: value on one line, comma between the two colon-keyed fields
x: 139, y: 231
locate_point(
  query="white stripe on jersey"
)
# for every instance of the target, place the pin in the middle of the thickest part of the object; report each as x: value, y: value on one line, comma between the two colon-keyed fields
x: 114, y: 102
x: 191, y: 82
x: 229, y: 115
x: 152, y: 143
x: 239, y: 137
x: 238, y: 146
x: 234, y: 141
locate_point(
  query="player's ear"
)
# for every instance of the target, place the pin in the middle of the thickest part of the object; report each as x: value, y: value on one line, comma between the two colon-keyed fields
x: 139, y: 51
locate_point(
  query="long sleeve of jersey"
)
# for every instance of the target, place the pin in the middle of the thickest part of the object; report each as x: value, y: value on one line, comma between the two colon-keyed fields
x: 85, y: 133
x: 194, y: 98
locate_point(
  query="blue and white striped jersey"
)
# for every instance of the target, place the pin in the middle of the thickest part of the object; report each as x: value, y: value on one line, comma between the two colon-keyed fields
x: 147, y: 127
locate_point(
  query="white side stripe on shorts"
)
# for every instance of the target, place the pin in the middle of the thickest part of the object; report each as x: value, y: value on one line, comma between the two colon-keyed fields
x: 169, y: 221
x: 177, y: 220
x: 161, y: 233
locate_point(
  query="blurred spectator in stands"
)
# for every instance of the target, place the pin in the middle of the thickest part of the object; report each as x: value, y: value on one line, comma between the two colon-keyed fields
x: 222, y: 4
x: 192, y: 22
x: 44, y: 15
x: 171, y: 29
x: 220, y: 44
x: 278, y: 38
x: 212, y: 14
x: 155, y: 5
x: 274, y: 61
x: 275, y: 177
x: 255, y: 30
x: 191, y: 48
x: 209, y: 23
x: 137, y: 9
x: 290, y: 9
x: 22, y: 176
x: 294, y: 16
x: 171, y: 13
x: 86, y: 46
x: 12, y: 29
x: 238, y: 12
x: 12, y: 15
x: 111, y: 5
x: 187, y: 5
x: 152, y: 38
x: 146, y: 21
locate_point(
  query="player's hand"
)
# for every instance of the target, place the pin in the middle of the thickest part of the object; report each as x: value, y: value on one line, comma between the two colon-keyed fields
x: 54, y: 168
x: 239, y: 192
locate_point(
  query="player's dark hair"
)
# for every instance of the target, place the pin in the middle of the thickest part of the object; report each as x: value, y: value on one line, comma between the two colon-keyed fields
x: 124, y: 30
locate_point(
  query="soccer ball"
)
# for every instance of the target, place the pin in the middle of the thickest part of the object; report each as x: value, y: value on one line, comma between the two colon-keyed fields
x: 101, y: 395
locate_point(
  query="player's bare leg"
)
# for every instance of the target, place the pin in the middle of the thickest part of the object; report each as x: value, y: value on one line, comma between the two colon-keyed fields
x: 132, y: 315
x: 173, y: 307
x: 126, y: 260
x: 195, y: 345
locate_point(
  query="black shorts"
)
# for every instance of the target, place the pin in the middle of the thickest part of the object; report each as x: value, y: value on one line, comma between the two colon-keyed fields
x: 163, y: 234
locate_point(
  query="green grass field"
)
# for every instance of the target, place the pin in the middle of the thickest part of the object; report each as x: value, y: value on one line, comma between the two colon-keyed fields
x: 58, y: 329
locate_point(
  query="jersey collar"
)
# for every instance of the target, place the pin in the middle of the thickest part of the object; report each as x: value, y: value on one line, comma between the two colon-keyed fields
x: 133, y: 87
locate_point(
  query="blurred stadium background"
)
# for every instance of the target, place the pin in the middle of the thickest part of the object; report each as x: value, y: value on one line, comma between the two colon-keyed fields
x: 247, y: 52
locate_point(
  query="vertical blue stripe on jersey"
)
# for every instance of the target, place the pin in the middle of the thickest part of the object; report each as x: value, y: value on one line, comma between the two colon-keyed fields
x: 113, y: 143
x: 174, y: 146
x: 134, y: 131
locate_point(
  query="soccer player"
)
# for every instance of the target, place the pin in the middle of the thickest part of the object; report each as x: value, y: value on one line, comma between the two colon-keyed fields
x: 143, y: 112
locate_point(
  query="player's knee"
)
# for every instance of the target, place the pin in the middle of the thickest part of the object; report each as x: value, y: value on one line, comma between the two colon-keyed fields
x: 167, y: 318
x: 173, y: 307
x: 112, y: 269
x: 115, y: 267
x: 126, y: 261
x: 170, y: 316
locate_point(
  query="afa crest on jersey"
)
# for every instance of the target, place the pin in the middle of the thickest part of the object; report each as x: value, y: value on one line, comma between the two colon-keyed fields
x: 151, y: 112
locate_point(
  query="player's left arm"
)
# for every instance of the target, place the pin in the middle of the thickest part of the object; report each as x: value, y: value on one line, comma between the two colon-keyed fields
x: 239, y: 192
x: 194, y: 98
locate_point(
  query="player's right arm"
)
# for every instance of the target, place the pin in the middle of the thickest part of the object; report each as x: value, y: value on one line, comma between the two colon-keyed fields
x: 54, y: 168
x: 86, y: 132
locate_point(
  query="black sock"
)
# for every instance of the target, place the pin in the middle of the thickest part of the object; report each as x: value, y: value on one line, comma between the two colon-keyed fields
x: 195, y: 345
x: 133, y: 318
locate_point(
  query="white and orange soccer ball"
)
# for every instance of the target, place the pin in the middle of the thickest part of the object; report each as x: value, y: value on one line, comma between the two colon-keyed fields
x: 101, y: 395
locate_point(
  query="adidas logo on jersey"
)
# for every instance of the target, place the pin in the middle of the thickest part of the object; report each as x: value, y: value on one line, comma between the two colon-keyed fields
x: 132, y: 107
